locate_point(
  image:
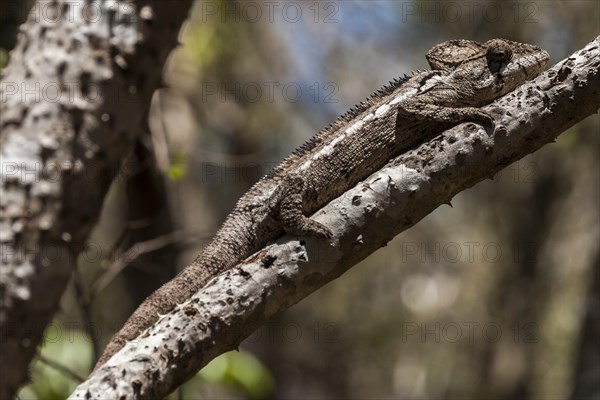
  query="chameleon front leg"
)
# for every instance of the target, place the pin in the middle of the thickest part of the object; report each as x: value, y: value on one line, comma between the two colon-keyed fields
x: 290, y: 209
x: 422, y: 110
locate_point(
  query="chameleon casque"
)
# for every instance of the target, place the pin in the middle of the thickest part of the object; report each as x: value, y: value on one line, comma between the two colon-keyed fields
x: 465, y: 75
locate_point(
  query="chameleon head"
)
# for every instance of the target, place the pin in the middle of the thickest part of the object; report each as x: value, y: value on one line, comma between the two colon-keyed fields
x: 485, y: 71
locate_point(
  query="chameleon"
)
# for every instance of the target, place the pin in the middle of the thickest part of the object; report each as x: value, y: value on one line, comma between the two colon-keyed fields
x: 465, y: 75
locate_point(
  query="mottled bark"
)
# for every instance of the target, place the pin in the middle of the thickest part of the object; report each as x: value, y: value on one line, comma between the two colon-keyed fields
x: 232, y: 306
x: 71, y: 98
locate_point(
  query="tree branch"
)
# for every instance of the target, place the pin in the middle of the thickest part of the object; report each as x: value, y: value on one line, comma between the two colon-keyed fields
x: 234, y: 304
x: 81, y: 76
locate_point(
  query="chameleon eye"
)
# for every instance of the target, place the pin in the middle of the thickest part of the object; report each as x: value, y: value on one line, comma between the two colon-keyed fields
x: 498, y: 54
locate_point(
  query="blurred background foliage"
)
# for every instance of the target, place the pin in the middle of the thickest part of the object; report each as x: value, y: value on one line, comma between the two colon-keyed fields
x: 496, y: 297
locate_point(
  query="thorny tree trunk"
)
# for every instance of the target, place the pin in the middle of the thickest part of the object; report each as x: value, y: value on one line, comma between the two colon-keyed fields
x: 77, y: 82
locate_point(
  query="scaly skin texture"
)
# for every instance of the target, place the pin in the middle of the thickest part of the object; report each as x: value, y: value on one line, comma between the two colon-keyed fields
x: 465, y: 75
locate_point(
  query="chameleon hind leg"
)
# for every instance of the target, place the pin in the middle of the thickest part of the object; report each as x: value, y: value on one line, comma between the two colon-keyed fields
x: 290, y: 210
